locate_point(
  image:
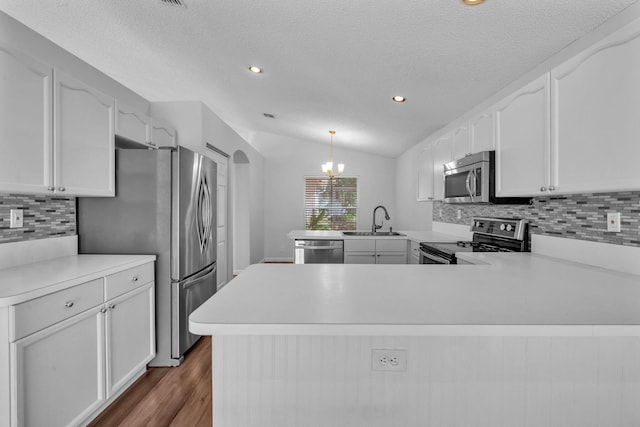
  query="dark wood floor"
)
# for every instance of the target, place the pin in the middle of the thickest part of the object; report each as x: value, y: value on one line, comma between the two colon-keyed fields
x: 176, y: 397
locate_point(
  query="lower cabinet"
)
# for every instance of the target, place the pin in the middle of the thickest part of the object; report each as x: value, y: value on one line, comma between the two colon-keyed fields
x: 59, y: 372
x: 414, y: 252
x: 375, y: 251
x: 64, y: 373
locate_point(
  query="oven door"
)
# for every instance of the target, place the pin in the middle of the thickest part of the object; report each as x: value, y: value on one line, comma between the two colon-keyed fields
x: 467, y: 184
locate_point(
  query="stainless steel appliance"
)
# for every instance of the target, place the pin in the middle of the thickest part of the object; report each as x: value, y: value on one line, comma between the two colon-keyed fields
x: 165, y: 205
x: 489, y: 235
x: 318, y: 252
x: 472, y: 180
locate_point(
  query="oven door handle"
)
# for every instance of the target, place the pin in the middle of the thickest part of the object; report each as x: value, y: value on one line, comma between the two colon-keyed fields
x: 434, y: 257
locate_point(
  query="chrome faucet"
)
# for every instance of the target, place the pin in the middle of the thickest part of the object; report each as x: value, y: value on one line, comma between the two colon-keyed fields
x: 375, y: 227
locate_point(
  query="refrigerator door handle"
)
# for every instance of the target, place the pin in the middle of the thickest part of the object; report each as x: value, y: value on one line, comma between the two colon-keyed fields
x: 190, y: 281
x: 203, y: 215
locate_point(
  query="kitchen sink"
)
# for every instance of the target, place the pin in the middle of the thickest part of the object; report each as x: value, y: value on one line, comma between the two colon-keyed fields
x: 371, y: 233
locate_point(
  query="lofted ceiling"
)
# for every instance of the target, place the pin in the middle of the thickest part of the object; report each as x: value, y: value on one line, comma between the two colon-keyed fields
x: 329, y: 64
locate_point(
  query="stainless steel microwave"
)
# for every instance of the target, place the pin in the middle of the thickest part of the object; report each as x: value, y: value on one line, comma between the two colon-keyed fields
x: 471, y: 179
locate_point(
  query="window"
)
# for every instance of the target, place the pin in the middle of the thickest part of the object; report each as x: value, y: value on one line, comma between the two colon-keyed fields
x: 330, y: 203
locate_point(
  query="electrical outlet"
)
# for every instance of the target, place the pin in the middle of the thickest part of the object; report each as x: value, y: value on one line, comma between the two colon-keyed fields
x: 459, y: 214
x: 15, y: 218
x: 388, y: 360
x: 613, y: 221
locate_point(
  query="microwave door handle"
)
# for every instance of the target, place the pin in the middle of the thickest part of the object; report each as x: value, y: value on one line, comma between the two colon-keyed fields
x: 474, y: 193
x: 468, y: 184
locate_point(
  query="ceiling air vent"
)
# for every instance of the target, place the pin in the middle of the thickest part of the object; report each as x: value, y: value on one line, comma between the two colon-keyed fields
x: 269, y: 116
x: 174, y: 3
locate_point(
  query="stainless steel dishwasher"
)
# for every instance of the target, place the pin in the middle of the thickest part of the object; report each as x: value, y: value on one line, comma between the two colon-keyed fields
x: 318, y: 251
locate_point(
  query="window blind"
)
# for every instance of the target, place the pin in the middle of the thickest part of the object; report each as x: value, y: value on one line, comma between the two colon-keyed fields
x: 330, y: 203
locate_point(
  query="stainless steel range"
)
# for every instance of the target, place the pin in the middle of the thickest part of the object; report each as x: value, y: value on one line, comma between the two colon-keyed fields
x: 489, y: 235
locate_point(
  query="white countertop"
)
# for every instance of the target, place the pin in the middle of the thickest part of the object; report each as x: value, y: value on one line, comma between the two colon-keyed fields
x: 25, y: 282
x: 512, y: 293
x: 415, y: 235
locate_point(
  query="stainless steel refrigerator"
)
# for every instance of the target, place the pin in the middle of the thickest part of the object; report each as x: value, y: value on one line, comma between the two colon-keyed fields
x: 165, y: 205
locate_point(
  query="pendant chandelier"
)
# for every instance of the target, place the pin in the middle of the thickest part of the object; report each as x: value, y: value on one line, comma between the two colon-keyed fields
x: 327, y: 168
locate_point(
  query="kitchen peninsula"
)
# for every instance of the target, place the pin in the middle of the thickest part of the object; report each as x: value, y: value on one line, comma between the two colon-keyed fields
x: 517, y: 339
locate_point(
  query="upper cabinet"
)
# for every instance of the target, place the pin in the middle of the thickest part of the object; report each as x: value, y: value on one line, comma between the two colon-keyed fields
x: 84, y: 157
x: 482, y: 132
x: 442, y: 153
x: 26, y: 133
x: 522, y: 141
x: 596, y: 116
x: 163, y: 135
x: 57, y: 134
x: 425, y: 174
x: 461, y: 141
x: 132, y: 124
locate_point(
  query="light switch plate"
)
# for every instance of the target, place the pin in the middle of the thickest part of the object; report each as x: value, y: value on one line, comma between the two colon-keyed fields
x: 613, y: 221
x: 15, y: 218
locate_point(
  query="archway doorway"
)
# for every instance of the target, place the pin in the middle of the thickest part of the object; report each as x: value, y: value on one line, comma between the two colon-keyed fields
x: 241, y: 212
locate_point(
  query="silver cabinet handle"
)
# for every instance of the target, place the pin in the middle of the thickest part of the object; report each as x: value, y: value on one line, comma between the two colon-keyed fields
x: 552, y: 188
x: 61, y: 189
x: 112, y: 306
x: 103, y: 310
x: 50, y: 188
x: 134, y: 279
x: 543, y: 189
x: 68, y: 304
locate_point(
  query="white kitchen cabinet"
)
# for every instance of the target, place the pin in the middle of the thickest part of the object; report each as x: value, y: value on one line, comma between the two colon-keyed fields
x: 596, y: 116
x: 84, y: 157
x: 461, y: 141
x: 72, y: 352
x: 59, y: 372
x: 163, y: 135
x: 413, y: 252
x: 522, y: 141
x: 442, y: 153
x: 482, y: 132
x: 26, y: 134
x: 425, y: 174
x: 129, y: 335
x: 133, y: 124
x: 375, y: 251
x: 57, y: 133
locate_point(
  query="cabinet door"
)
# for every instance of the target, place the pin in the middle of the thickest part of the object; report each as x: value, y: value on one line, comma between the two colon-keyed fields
x: 461, y: 141
x: 359, y: 257
x: 442, y: 153
x: 83, y: 139
x: 25, y: 123
x: 482, y: 132
x: 163, y: 135
x: 132, y: 124
x: 59, y: 372
x: 522, y: 141
x: 391, y: 258
x: 130, y: 335
x: 596, y: 116
x: 425, y: 174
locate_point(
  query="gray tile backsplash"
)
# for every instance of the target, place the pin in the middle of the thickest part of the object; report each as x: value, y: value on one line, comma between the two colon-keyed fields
x: 578, y: 216
x: 44, y: 216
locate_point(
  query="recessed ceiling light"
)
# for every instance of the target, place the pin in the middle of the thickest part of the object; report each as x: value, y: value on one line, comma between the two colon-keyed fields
x: 399, y: 98
x: 254, y: 69
x: 472, y: 2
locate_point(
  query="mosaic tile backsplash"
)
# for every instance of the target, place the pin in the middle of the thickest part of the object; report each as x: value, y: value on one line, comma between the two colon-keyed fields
x: 44, y: 216
x: 577, y: 216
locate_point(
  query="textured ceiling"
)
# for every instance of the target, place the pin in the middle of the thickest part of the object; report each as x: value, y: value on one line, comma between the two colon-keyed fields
x: 329, y: 64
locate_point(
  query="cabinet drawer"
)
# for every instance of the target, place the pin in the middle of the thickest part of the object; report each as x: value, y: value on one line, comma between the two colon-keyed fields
x: 359, y: 245
x: 128, y: 280
x: 31, y: 316
x: 391, y: 245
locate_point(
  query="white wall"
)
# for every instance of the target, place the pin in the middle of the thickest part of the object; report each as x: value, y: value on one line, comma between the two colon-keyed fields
x: 288, y: 161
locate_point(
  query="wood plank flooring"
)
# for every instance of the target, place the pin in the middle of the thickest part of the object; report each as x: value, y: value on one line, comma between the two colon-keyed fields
x: 176, y: 397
